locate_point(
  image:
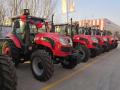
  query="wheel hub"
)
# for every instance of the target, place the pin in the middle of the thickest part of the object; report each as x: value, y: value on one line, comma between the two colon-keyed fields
x: 37, y: 66
x: 82, y: 53
x: 6, y: 51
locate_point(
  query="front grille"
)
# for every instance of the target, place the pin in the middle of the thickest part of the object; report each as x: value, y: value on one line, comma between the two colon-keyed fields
x: 84, y: 39
x: 95, y: 44
x: 98, y: 39
x: 66, y: 49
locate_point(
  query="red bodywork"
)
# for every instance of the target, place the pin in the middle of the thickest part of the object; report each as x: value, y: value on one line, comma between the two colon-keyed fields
x: 100, y: 39
x: 57, y: 50
x: 39, y: 41
x: 88, y: 44
x: 14, y: 39
x: 56, y: 38
x: 110, y: 38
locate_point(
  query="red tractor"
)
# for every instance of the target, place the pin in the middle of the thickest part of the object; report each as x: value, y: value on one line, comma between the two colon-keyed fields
x: 69, y: 30
x: 30, y: 40
x: 103, y: 42
x: 87, y: 44
x: 113, y: 42
x: 89, y: 41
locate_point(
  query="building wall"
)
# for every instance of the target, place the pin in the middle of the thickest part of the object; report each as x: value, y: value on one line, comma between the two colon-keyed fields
x: 103, y: 24
x: 4, y: 30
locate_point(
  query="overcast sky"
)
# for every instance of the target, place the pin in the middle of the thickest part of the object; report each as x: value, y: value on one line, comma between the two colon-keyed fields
x: 92, y: 9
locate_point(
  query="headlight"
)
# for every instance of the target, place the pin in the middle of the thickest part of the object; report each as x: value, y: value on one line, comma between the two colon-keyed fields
x: 39, y: 38
x: 95, y: 40
x: 105, y: 39
x: 66, y: 41
x: 112, y: 39
x: 63, y: 41
x: 70, y: 42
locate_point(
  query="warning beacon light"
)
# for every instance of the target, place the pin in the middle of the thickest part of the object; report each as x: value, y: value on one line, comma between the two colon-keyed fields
x: 26, y: 12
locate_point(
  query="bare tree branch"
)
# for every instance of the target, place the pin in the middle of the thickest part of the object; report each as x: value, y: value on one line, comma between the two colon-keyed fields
x: 41, y: 8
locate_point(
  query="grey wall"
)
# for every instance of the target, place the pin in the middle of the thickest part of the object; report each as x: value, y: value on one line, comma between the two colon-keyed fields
x: 4, y: 30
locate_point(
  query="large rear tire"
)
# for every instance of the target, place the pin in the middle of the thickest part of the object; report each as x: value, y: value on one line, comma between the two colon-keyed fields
x: 9, y: 49
x: 42, y: 65
x: 8, y: 80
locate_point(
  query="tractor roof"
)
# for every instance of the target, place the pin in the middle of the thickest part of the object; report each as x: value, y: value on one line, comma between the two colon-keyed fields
x: 26, y: 17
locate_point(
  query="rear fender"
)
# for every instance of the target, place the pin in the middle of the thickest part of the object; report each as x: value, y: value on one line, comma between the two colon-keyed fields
x: 15, y: 40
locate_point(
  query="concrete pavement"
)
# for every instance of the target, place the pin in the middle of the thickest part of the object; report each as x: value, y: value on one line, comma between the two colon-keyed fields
x: 100, y: 73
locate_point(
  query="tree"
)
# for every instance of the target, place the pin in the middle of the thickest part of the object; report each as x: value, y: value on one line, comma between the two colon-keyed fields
x: 2, y: 17
x: 41, y: 8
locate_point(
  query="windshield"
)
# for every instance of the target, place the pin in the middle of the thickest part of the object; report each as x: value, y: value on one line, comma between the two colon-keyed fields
x: 61, y: 29
x: 85, y: 31
x: 81, y: 31
x: 65, y: 29
x: 18, y: 26
x: 106, y: 33
x: 34, y: 29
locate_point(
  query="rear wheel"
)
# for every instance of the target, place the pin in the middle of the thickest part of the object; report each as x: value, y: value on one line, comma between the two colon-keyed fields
x: 42, y: 65
x: 7, y: 74
x: 10, y: 49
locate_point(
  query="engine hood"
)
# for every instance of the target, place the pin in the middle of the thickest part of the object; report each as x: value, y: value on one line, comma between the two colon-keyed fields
x: 54, y: 36
x: 88, y: 37
x: 49, y: 35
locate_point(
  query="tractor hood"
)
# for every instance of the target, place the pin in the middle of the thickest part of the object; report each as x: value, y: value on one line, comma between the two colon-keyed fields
x: 87, y: 38
x: 56, y: 37
x: 100, y: 39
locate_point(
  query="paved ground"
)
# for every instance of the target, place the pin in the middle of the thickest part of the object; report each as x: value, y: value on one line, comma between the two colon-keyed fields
x: 100, y: 73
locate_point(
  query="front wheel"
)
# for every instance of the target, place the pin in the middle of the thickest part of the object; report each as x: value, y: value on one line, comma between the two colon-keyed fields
x: 85, y: 53
x: 93, y: 53
x: 101, y: 49
x: 107, y: 47
x: 69, y: 63
x: 42, y: 65
x: 116, y: 45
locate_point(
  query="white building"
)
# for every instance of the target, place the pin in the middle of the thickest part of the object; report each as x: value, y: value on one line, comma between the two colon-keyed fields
x: 103, y: 24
